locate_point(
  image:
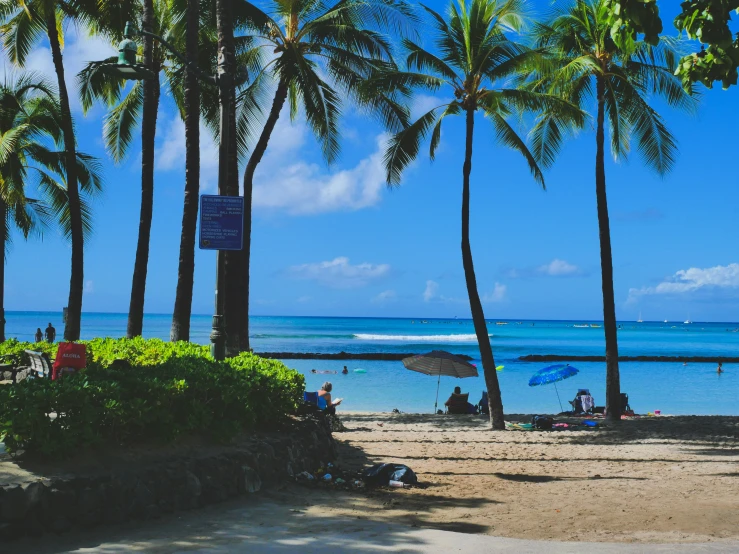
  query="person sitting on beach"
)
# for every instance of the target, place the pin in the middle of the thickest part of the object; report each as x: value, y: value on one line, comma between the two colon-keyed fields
x: 458, y: 403
x: 39, y: 335
x: 324, y: 399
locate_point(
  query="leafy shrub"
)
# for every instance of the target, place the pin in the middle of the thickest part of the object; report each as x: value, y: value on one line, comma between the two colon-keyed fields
x: 169, y: 389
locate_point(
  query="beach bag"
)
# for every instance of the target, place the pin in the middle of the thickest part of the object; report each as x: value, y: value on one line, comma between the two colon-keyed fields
x: 541, y: 422
x: 69, y: 355
x: 380, y: 475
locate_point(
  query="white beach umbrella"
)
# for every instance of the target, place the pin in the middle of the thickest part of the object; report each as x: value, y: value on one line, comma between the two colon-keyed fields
x: 439, y: 362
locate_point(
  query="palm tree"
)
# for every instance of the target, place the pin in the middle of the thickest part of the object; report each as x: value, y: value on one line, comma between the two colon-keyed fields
x: 186, y: 268
x: 616, y: 82
x: 319, y: 52
x: 475, y: 59
x: 25, y: 22
x: 140, y: 104
x: 29, y: 124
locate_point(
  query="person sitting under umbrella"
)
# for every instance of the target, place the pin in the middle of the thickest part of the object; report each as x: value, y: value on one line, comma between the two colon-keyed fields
x: 458, y: 403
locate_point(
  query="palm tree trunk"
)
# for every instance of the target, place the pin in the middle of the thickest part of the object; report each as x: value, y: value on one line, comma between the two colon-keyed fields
x: 495, y: 401
x: 256, y: 156
x: 148, y: 132
x: 613, y: 385
x: 186, y: 270
x: 233, y: 257
x: 76, y: 281
x: 3, y: 243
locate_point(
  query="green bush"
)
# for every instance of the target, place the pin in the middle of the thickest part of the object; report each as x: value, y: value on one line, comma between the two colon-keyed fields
x: 169, y: 389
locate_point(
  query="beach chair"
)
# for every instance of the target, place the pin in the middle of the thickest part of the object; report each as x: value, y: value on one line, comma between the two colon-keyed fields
x: 459, y: 404
x: 625, y: 408
x: 310, y: 398
x: 583, y: 402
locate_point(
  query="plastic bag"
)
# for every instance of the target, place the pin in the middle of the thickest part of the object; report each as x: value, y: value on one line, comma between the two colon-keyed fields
x: 381, y: 474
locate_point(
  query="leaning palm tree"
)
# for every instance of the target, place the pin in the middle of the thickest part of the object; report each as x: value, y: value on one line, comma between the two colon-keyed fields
x: 586, y: 67
x: 475, y: 59
x: 29, y: 130
x: 321, y: 54
x: 24, y: 23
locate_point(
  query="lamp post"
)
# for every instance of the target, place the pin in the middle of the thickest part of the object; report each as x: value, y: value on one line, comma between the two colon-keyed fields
x: 126, y: 67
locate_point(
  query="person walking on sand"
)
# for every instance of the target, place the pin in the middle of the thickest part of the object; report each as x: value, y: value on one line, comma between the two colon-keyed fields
x: 39, y: 335
x: 50, y: 333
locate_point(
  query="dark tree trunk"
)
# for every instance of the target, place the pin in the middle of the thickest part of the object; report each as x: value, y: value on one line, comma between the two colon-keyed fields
x: 256, y: 156
x: 495, y: 401
x: 186, y: 270
x: 613, y: 384
x: 76, y: 280
x: 3, y: 242
x: 148, y: 132
x: 233, y: 257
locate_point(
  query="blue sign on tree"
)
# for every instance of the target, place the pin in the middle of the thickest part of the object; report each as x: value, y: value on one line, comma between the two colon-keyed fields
x: 221, y: 222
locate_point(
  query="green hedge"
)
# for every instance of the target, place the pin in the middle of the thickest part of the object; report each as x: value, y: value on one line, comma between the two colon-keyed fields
x: 169, y: 390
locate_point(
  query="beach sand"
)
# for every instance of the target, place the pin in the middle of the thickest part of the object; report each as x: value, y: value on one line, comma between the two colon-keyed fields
x: 656, y: 479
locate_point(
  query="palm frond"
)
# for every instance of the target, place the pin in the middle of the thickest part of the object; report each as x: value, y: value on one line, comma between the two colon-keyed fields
x: 120, y: 123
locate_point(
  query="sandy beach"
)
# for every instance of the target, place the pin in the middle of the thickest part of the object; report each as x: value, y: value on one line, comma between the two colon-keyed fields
x: 656, y: 479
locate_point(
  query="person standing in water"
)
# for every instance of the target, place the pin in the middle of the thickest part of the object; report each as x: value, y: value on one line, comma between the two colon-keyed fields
x: 345, y: 371
x: 39, y: 335
x: 718, y: 369
x: 50, y: 333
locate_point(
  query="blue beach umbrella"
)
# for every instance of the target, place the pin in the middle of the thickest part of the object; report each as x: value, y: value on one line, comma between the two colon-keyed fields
x: 552, y: 374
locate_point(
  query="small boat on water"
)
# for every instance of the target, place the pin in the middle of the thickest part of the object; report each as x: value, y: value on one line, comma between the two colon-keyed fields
x: 640, y: 320
x: 584, y: 326
x: 501, y: 323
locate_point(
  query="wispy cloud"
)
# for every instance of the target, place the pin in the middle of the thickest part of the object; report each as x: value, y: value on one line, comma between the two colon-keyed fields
x: 498, y: 294
x: 649, y: 214
x: 691, y: 280
x: 170, y: 154
x: 384, y: 296
x: 432, y: 289
x: 339, y: 273
x: 558, y: 268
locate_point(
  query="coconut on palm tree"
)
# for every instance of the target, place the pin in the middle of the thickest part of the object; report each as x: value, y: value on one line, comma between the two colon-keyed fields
x: 473, y: 61
x: 30, y: 164
x: 616, y: 83
x: 321, y: 53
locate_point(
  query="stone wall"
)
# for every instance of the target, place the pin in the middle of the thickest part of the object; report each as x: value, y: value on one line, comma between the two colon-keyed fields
x: 56, y: 505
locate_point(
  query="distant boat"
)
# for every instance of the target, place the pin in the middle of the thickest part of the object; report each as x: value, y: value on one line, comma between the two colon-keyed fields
x: 583, y: 326
x: 640, y: 320
x: 501, y: 323
x: 687, y: 321
x: 594, y: 325
x: 665, y: 321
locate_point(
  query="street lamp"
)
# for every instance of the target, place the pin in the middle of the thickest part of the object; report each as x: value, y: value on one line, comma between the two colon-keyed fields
x: 126, y: 67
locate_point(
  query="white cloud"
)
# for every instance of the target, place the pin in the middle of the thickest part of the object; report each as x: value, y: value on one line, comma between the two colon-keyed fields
x: 497, y: 295
x: 558, y: 268
x: 170, y: 155
x: 89, y: 287
x: 339, y: 273
x: 432, y: 288
x: 286, y: 183
x: 693, y: 279
x: 384, y: 296
x: 423, y: 103
x: 78, y: 50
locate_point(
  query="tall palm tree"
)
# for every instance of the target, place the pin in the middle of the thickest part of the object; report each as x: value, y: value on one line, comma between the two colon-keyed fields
x: 29, y: 129
x: 139, y: 105
x: 618, y: 83
x: 24, y: 23
x: 186, y: 267
x: 474, y: 59
x: 320, y: 53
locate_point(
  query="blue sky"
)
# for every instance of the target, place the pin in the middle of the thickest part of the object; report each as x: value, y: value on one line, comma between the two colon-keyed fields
x: 334, y: 241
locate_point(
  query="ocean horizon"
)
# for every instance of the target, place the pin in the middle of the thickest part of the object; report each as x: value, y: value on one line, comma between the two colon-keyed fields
x: 671, y: 387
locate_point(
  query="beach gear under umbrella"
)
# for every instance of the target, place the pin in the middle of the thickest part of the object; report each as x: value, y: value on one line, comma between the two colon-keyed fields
x: 440, y: 363
x: 552, y: 374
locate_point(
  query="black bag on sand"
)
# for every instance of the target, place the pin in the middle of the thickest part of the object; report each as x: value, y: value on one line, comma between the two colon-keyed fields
x: 380, y: 475
x: 541, y: 422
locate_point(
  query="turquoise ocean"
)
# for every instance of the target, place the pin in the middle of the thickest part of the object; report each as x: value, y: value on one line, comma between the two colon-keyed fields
x: 673, y: 388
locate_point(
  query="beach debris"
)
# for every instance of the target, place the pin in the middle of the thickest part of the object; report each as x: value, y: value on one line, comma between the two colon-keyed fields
x: 327, y: 477
x: 305, y: 476
x: 380, y: 475
x: 397, y: 484
x: 500, y: 368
